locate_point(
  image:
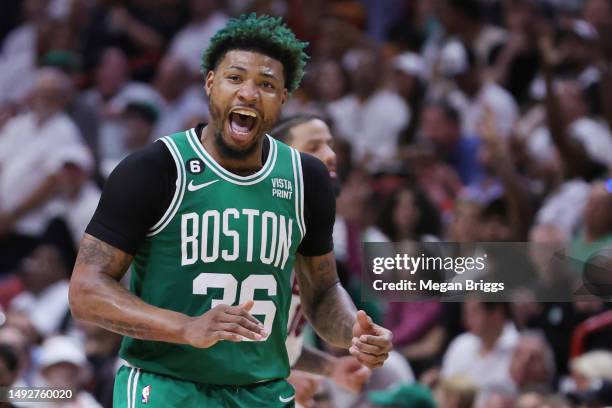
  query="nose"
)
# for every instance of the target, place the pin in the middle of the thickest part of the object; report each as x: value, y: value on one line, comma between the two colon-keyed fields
x: 248, y: 92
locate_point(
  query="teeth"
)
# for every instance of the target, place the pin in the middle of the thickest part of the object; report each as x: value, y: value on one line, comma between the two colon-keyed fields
x: 245, y: 112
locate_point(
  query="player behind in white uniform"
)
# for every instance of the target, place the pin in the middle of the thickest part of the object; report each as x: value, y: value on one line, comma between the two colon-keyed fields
x: 308, y: 133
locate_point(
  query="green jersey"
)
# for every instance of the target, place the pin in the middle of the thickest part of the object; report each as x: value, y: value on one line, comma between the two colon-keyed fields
x: 225, y: 239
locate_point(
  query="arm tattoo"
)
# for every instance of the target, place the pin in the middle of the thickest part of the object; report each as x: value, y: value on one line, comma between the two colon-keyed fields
x: 112, y: 264
x: 138, y: 330
x: 326, y: 303
x: 94, y: 252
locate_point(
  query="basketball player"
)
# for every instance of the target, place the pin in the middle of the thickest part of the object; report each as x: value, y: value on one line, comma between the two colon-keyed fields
x: 308, y: 133
x: 212, y: 221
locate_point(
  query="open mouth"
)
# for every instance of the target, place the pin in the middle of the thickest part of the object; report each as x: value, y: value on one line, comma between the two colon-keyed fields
x: 242, y: 122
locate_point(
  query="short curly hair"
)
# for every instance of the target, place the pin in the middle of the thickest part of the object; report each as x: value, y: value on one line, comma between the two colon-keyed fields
x: 265, y: 34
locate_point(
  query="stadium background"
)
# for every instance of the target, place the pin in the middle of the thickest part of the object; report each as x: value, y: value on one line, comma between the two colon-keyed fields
x: 453, y: 120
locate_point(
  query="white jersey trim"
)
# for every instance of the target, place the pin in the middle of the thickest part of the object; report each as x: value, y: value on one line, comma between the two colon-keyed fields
x: 178, y: 193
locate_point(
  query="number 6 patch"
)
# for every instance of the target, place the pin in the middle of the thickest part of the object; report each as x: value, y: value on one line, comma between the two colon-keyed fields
x: 195, y: 166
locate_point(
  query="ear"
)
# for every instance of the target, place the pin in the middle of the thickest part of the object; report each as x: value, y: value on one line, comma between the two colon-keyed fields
x: 208, y: 82
x: 284, y: 96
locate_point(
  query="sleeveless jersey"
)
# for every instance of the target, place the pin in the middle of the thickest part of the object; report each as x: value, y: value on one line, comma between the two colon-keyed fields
x: 225, y: 239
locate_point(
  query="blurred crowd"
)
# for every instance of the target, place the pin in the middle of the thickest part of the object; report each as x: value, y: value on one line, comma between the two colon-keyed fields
x: 453, y: 120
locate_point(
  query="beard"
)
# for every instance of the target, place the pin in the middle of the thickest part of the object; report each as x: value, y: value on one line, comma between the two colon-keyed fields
x: 231, y: 152
x: 226, y: 150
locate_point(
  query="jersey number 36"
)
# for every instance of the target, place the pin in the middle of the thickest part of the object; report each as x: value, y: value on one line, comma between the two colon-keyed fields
x: 229, y: 284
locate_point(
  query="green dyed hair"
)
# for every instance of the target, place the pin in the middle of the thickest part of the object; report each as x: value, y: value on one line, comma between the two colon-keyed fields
x: 266, y: 35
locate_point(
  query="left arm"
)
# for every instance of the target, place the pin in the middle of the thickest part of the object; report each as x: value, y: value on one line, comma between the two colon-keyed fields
x: 326, y: 304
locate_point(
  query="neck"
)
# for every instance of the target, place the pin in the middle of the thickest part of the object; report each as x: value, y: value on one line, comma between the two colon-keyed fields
x: 246, y: 165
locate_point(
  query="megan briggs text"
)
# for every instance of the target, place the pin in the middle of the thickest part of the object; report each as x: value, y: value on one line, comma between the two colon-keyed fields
x: 468, y: 285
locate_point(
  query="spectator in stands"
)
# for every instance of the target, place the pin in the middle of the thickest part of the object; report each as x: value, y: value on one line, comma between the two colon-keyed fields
x: 63, y: 366
x: 140, y: 119
x: 475, y: 95
x: 19, y: 53
x: 464, y: 19
x: 30, y: 159
x: 441, y: 127
x: 45, y: 299
x: 590, y: 367
x: 456, y: 392
x: 122, y: 25
x: 180, y: 100
x: 101, y: 347
x: 484, y: 353
x: 409, y: 74
x: 597, y: 221
x: 206, y: 17
x: 517, y: 64
x: 598, y: 13
x: 371, y: 117
x: 409, y: 215
x: 8, y: 365
x: 78, y: 193
x: 532, y: 366
x: 19, y: 342
x: 111, y: 93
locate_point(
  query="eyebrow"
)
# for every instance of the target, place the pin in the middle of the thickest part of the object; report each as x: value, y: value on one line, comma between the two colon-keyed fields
x: 268, y: 75
x: 238, y: 67
x: 243, y: 69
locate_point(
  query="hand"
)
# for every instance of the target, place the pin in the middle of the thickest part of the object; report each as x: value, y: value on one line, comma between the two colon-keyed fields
x: 223, y: 322
x: 350, y: 374
x: 306, y: 386
x: 549, y: 56
x: 371, y: 342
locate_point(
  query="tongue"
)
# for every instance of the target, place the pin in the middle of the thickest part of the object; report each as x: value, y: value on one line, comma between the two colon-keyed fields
x: 241, y: 123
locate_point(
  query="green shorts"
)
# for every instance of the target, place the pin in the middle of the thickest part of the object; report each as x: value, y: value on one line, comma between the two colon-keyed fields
x: 137, y: 388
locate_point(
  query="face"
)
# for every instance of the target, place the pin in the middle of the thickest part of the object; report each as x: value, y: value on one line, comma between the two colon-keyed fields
x: 528, y: 364
x: 139, y: 131
x: 171, y: 78
x: 406, y: 84
x: 598, y: 209
x: 246, y: 93
x: 62, y: 375
x: 597, y: 12
x: 330, y: 81
x: 48, y: 96
x: 366, y: 75
x: 111, y: 73
x: 474, y: 316
x: 42, y: 268
x: 436, y: 127
x: 314, y: 137
x: 405, y: 213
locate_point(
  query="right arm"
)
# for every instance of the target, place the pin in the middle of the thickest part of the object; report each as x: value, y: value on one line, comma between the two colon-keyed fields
x: 97, y: 296
x: 573, y: 155
x: 135, y: 196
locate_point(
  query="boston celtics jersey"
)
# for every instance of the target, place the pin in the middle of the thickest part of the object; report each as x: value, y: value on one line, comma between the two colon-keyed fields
x: 225, y: 239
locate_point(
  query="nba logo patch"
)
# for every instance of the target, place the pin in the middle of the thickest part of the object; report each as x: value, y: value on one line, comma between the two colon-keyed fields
x: 146, y: 391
